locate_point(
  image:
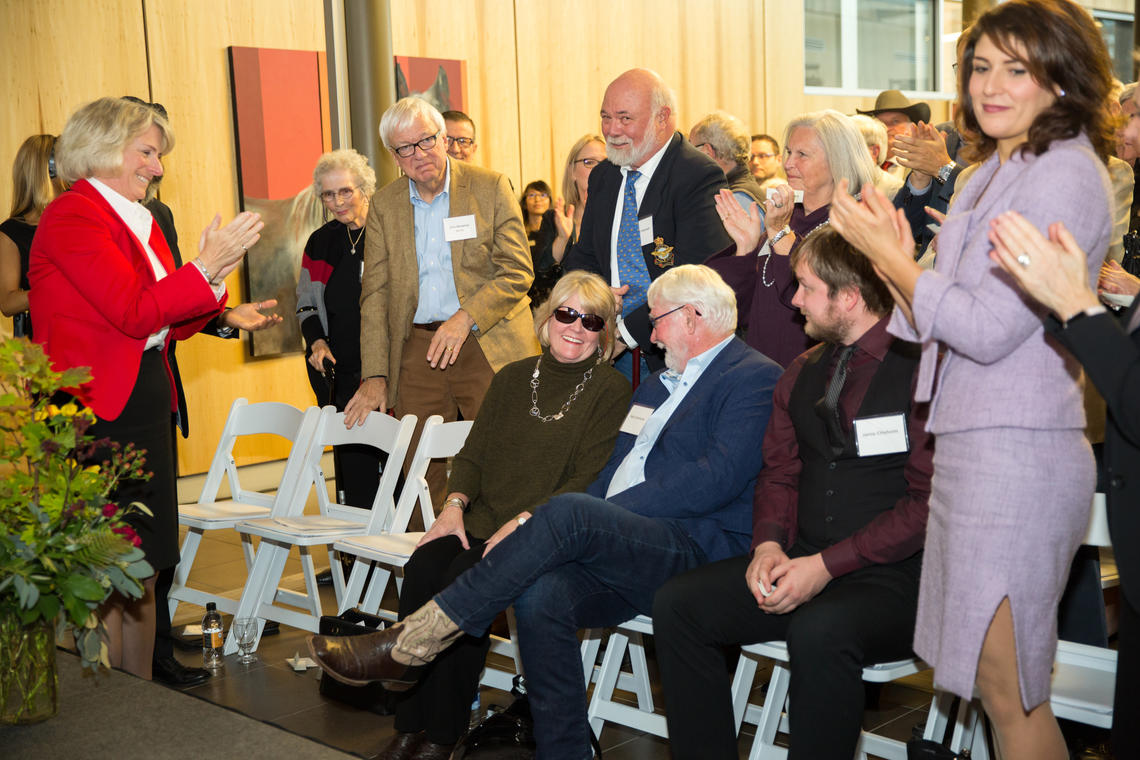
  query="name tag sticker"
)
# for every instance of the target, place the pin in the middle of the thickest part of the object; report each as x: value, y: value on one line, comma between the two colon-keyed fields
x: 459, y: 228
x: 636, y: 419
x: 884, y: 434
x: 645, y: 230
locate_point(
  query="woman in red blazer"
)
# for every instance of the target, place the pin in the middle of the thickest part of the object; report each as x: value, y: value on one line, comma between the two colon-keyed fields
x: 108, y: 296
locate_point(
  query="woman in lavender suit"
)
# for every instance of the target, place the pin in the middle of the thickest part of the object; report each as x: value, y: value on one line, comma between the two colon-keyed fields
x: 1013, y: 474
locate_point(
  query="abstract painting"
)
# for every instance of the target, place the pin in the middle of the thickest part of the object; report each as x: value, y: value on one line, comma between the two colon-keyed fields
x: 281, y: 125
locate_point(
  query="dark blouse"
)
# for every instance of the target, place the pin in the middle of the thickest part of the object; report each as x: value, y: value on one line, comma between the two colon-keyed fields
x: 328, y: 293
x: 21, y: 233
x: 765, y: 286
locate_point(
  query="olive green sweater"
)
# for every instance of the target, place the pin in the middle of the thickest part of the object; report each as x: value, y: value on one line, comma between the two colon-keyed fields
x: 513, y: 461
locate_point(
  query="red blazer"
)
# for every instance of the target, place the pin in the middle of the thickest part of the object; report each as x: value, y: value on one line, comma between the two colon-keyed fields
x: 94, y: 293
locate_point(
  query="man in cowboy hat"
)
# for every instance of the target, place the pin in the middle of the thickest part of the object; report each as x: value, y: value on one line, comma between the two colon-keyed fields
x: 898, y: 113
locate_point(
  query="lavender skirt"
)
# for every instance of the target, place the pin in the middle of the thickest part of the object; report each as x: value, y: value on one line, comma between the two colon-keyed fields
x: 1008, y: 509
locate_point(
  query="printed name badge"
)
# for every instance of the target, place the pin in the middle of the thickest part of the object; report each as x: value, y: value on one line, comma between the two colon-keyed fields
x: 884, y: 434
x: 636, y: 419
x: 645, y: 230
x: 459, y: 228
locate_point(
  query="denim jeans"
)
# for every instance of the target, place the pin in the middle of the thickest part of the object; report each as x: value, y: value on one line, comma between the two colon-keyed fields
x: 580, y: 562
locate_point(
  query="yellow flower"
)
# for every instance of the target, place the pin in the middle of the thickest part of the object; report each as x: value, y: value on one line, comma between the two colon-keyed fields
x: 40, y: 415
x: 94, y: 469
x: 52, y: 410
x: 69, y: 409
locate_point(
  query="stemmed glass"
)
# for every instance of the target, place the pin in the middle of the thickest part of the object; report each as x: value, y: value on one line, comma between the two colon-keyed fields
x: 246, y: 631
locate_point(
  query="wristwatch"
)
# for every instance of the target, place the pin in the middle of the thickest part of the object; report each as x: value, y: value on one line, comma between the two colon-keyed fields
x: 944, y: 172
x: 779, y: 235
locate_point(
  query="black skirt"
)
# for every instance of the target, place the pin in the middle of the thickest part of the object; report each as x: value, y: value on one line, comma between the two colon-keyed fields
x: 146, y: 422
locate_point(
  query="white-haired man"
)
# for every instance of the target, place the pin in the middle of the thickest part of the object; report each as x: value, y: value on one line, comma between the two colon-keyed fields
x: 675, y: 494
x: 651, y: 202
x: 445, y: 259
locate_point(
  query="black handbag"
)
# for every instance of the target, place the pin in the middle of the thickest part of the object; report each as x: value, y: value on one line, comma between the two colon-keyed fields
x: 372, y: 697
x: 506, y: 734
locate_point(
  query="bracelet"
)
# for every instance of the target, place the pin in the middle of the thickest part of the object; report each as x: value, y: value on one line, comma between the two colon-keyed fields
x: 455, y: 501
x: 205, y: 272
x: 1091, y: 311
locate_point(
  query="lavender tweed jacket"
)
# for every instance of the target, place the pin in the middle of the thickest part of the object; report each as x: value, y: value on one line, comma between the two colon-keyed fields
x: 1000, y: 369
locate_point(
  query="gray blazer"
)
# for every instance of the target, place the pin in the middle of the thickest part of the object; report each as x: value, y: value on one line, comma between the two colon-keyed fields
x: 999, y: 368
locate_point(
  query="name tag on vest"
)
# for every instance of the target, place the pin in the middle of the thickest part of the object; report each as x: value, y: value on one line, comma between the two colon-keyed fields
x: 883, y: 434
x: 459, y: 228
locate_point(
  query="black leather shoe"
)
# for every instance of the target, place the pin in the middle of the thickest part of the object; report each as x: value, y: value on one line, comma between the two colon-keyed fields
x: 171, y: 672
x: 429, y: 750
x: 324, y: 578
x: 361, y: 660
x: 403, y: 746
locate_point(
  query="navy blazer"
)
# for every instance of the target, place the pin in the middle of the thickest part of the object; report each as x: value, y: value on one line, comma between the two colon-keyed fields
x: 680, y: 198
x: 702, y: 470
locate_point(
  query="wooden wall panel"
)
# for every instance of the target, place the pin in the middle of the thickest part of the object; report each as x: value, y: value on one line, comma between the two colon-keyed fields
x: 569, y: 53
x: 482, y: 32
x: 190, y: 76
x: 61, y: 54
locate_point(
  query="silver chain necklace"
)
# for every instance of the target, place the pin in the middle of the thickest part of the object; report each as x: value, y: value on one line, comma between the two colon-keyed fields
x: 352, y: 243
x: 534, y: 412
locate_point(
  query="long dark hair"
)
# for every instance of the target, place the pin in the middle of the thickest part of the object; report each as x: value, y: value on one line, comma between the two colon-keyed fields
x: 541, y: 187
x: 1063, y: 50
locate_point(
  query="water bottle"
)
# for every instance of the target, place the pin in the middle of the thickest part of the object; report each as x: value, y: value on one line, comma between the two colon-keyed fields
x: 212, y: 638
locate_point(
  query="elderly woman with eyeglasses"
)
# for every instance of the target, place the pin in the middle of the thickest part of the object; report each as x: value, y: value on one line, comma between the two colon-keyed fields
x: 328, y: 303
x: 546, y: 426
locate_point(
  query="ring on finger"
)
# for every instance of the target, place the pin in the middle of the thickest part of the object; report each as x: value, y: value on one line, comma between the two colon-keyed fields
x: 1024, y: 260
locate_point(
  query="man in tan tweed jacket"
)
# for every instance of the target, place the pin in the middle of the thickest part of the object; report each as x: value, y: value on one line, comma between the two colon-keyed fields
x: 446, y: 270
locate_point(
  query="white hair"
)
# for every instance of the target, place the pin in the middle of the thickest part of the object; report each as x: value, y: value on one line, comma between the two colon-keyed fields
x: 403, y: 113
x: 703, y: 289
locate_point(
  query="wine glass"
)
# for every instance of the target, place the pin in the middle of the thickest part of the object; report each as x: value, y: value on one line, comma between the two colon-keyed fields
x: 246, y: 631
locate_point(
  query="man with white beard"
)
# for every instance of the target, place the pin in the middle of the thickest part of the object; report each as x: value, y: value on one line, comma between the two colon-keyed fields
x: 650, y: 203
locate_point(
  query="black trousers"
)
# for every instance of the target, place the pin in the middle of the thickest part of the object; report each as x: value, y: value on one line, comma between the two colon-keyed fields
x: 860, y: 618
x: 441, y: 702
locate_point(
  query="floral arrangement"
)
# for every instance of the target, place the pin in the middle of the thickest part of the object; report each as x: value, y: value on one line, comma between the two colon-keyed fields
x: 64, y: 546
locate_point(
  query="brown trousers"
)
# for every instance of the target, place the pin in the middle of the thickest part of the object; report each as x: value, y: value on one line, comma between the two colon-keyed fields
x: 424, y: 391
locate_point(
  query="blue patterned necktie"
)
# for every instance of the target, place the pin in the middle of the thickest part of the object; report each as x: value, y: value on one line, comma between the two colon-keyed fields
x: 630, y: 259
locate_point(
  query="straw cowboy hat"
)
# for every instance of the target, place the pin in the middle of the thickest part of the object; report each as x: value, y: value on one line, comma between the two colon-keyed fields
x: 893, y: 100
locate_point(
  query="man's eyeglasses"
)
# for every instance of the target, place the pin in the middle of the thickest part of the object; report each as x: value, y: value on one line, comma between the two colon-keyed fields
x: 344, y: 194
x: 426, y: 144
x: 466, y: 142
x: 533, y: 196
x: 654, y: 320
x: 589, y: 163
x: 591, y: 322
x: 763, y: 155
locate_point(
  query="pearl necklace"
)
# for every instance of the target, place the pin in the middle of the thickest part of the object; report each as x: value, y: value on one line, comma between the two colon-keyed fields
x: 771, y: 253
x: 534, y: 412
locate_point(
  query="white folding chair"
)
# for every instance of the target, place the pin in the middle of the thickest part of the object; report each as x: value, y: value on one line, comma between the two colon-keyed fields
x: 388, y: 544
x: 388, y: 549
x: 771, y: 717
x: 262, y: 595
x: 603, y: 709
x: 212, y: 513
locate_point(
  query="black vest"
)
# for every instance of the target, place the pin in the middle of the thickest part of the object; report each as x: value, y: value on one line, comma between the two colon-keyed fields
x: 838, y: 495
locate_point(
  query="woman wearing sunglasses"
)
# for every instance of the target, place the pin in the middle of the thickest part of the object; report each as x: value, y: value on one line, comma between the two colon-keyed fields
x: 546, y: 426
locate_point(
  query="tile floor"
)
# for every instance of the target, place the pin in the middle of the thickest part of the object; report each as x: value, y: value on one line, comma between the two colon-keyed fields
x: 269, y: 690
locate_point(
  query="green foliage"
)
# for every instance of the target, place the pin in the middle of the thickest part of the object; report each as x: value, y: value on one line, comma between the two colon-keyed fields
x: 64, y: 546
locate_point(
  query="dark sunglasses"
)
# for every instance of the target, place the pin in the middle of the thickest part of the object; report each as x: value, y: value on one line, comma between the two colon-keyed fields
x: 591, y: 322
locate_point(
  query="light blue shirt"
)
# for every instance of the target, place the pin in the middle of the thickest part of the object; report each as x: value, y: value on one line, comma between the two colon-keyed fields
x: 438, y: 299
x: 632, y: 469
